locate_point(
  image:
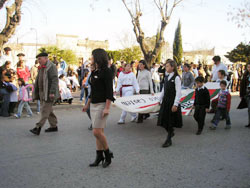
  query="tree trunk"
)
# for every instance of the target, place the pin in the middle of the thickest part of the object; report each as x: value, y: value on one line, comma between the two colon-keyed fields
x: 13, y: 18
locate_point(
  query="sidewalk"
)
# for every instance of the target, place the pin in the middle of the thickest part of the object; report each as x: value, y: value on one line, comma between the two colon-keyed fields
x: 75, y: 103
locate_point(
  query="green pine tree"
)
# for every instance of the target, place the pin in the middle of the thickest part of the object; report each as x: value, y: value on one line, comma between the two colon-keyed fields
x: 177, y: 46
x: 239, y: 54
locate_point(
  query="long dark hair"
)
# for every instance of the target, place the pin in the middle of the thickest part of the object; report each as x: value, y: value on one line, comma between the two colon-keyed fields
x: 22, y: 81
x: 144, y: 63
x: 172, y: 63
x: 19, y: 63
x: 6, y: 63
x: 100, y: 58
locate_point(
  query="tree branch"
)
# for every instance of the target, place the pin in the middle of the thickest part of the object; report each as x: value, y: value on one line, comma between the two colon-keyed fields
x: 176, y: 2
x: 2, y: 2
x: 12, y: 21
x: 137, y: 26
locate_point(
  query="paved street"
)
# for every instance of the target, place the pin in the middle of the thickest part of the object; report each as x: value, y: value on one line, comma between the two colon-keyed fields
x: 216, y: 159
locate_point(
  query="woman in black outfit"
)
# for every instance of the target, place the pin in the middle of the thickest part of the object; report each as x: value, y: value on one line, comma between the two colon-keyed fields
x: 99, y: 101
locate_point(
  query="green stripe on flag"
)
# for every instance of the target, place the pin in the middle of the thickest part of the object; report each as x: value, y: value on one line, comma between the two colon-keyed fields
x: 215, y: 93
x: 188, y: 97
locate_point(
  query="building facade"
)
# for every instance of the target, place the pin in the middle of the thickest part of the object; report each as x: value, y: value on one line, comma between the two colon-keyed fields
x: 82, y: 47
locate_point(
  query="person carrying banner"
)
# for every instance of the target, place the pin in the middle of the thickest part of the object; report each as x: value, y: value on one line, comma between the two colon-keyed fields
x: 145, y: 82
x: 201, y: 103
x: 127, y: 85
x: 170, y: 112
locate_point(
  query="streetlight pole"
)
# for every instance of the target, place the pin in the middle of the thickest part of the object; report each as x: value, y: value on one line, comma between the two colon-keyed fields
x: 34, y: 29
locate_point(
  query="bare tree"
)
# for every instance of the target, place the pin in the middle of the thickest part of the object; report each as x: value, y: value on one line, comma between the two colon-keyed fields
x: 241, y: 15
x: 134, y: 9
x: 126, y: 39
x: 13, y: 18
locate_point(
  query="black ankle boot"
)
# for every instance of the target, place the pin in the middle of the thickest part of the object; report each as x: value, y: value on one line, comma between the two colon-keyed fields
x: 168, y: 141
x: 99, y: 158
x: 108, y: 155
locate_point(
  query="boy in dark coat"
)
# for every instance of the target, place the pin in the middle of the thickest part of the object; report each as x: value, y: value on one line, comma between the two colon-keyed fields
x: 201, y: 103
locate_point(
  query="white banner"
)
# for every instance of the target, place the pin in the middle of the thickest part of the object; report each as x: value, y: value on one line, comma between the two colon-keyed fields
x: 150, y: 103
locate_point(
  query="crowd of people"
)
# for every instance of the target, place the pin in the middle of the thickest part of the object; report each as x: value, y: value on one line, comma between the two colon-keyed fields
x: 17, y: 76
x: 100, y: 79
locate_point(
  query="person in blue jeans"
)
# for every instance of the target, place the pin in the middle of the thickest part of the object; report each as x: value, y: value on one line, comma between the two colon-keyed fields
x: 23, y: 93
x: 38, y: 106
x: 87, y: 85
x: 223, y: 107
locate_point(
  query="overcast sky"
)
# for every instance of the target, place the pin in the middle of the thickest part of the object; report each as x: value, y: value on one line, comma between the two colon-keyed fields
x: 204, y: 22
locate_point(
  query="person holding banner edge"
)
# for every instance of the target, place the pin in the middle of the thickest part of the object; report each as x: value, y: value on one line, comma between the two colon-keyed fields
x: 145, y: 82
x: 170, y: 112
x: 127, y: 85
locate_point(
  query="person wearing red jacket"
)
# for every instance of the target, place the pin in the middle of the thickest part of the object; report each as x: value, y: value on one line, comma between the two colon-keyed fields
x: 223, y: 107
x: 23, y: 71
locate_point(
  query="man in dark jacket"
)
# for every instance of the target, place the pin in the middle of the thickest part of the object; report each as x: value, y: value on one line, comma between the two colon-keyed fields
x: 47, y: 91
x: 245, y: 93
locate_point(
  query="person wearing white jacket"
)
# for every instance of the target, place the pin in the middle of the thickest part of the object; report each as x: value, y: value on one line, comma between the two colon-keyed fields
x: 127, y: 85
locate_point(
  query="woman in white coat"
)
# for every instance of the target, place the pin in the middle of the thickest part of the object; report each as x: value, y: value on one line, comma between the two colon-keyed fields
x: 127, y: 85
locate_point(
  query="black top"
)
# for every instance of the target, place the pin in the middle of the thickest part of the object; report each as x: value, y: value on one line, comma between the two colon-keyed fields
x: 101, y: 85
x: 202, y: 97
x: 244, y: 84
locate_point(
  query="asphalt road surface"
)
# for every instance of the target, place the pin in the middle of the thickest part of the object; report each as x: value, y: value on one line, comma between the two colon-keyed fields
x: 215, y: 159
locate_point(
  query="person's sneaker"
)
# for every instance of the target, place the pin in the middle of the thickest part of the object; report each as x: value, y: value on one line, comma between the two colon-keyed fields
x: 16, y: 116
x: 28, y: 116
x: 51, y: 129
x: 90, y: 127
x: 213, y: 127
x: 121, y: 122
x: 228, y: 127
x: 38, y: 113
x: 133, y: 119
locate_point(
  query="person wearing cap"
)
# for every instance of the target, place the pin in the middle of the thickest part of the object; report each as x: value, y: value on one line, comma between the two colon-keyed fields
x: 20, y: 56
x: 47, y: 91
x: 6, y: 56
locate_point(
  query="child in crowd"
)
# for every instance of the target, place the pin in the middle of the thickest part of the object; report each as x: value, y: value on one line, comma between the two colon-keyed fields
x: 88, y: 87
x: 170, y: 112
x: 65, y: 92
x: 221, y: 76
x: 127, y: 85
x: 13, y: 96
x: 201, y: 103
x: 24, y: 98
x: 223, y: 107
x: 187, y: 77
x: 83, y: 89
